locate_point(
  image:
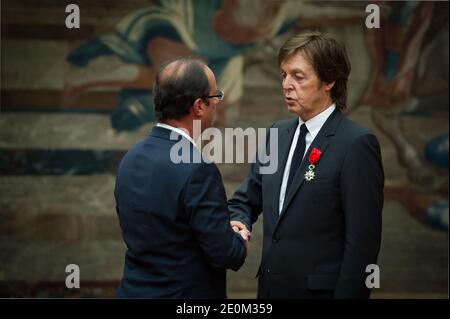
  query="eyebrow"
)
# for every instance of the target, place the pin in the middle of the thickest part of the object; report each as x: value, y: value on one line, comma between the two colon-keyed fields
x: 295, y: 70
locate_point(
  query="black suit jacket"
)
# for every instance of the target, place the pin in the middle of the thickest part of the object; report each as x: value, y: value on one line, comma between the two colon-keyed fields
x: 329, y: 229
x: 175, y: 223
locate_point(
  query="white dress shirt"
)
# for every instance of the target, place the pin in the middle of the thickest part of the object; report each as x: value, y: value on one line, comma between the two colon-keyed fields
x: 177, y: 130
x: 313, y: 125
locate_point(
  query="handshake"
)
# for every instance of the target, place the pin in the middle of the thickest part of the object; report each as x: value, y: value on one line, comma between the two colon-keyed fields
x: 240, y: 228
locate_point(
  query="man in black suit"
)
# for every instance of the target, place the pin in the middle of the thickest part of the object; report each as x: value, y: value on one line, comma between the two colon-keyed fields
x: 173, y: 215
x: 322, y: 207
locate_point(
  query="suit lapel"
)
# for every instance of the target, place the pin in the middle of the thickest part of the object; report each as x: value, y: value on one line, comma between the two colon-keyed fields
x: 285, y: 137
x: 321, y: 142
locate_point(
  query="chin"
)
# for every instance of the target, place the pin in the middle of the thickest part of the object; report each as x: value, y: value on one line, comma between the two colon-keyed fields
x: 292, y: 109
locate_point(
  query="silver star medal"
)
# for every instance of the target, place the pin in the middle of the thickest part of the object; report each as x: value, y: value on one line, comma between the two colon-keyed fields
x: 309, y: 175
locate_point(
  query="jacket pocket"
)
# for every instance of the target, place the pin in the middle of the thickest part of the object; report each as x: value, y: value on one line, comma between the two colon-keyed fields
x: 322, y: 282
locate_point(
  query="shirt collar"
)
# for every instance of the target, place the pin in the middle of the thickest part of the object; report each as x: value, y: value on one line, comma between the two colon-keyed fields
x: 315, y: 124
x: 177, y: 130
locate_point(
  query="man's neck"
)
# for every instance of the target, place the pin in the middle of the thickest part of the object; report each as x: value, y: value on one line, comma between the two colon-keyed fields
x: 325, y: 105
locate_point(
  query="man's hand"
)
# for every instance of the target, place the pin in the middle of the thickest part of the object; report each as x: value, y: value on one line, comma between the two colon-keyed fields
x: 240, y: 228
x: 245, y: 234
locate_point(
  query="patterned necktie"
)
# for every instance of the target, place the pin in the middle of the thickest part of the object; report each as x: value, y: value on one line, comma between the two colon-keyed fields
x: 298, y: 155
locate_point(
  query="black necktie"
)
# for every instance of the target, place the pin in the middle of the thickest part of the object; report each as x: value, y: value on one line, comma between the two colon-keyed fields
x: 298, y: 155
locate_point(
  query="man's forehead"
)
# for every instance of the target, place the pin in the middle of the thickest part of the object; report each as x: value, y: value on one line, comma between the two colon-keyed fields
x: 296, y: 62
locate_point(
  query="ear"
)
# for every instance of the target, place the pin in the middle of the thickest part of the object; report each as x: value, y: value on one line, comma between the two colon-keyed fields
x: 329, y: 86
x: 198, y: 108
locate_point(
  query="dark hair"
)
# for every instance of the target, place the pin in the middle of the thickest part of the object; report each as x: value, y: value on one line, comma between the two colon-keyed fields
x: 176, y: 90
x: 327, y: 56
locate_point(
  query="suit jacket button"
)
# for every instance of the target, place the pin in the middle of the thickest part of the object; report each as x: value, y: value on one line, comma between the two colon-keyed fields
x: 275, y: 239
x: 268, y: 270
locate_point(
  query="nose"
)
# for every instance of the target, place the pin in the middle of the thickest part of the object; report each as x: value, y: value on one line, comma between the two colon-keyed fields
x: 287, y: 83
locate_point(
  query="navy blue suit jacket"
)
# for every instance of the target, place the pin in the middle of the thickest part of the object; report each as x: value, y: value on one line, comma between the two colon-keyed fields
x: 329, y: 228
x: 175, y: 223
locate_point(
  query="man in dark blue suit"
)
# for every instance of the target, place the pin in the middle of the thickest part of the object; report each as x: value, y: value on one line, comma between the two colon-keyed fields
x: 322, y: 207
x: 173, y: 215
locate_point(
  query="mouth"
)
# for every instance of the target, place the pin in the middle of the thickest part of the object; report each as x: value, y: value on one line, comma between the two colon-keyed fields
x: 289, y: 100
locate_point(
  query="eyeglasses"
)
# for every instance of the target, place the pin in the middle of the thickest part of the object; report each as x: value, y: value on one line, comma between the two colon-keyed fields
x: 219, y: 94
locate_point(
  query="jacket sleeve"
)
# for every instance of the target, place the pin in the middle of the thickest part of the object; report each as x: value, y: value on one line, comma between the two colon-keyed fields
x: 246, y: 203
x: 362, y: 182
x: 206, y: 206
